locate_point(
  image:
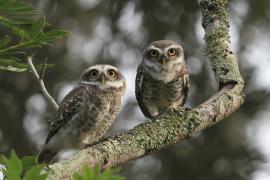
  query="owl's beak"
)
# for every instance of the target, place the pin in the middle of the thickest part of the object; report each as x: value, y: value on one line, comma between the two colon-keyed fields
x: 163, y: 60
x: 103, y: 79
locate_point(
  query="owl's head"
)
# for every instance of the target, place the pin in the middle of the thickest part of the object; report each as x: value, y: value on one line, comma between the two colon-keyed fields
x: 104, y: 77
x: 163, y: 58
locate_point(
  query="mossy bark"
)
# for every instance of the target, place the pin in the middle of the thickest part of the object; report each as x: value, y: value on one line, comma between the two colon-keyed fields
x: 171, y: 128
x: 216, y: 24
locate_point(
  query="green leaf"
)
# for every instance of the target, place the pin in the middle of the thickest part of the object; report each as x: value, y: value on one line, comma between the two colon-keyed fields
x: 18, y: 18
x: 87, y: 173
x: 10, y: 25
x: 13, y: 9
x: 15, y: 6
x: 28, y: 162
x: 52, y: 35
x: 95, y: 173
x: 16, y: 165
x: 4, y: 41
x: 12, y: 57
x: 12, y: 65
x: 13, y: 166
x: 23, y: 21
x: 76, y: 176
x: 110, y: 174
x: 112, y: 177
x: 35, y: 173
x: 37, y: 28
x: 3, y: 159
x: 39, y: 66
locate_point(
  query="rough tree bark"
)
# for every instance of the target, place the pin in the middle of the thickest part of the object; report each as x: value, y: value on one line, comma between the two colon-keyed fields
x: 171, y: 128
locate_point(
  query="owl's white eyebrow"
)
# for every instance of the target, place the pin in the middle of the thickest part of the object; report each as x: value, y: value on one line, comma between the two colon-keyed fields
x: 153, y: 47
x: 90, y: 82
x: 93, y: 68
x: 115, y: 84
x: 110, y: 67
x: 172, y: 46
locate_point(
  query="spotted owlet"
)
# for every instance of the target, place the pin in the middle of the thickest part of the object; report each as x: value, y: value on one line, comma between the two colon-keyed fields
x: 86, y: 113
x: 162, y: 82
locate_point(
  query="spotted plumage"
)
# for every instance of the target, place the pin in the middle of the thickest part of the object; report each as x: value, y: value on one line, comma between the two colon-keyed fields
x: 162, y: 81
x: 87, y: 112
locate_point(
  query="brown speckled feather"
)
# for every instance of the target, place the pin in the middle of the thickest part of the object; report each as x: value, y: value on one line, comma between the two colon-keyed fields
x: 86, y: 113
x: 68, y: 107
x: 138, y: 91
x: 186, y: 85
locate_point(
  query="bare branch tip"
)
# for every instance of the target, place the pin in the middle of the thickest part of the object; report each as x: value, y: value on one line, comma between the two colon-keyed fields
x: 42, y: 72
x: 39, y: 78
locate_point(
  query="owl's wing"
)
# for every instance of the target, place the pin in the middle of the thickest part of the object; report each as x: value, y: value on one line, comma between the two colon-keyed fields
x: 185, y: 85
x: 138, y: 91
x: 67, y: 109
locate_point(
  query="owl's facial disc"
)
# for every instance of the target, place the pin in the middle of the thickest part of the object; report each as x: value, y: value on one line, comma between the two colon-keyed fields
x: 113, y: 79
x: 163, y: 62
x: 109, y: 75
x: 163, y: 58
x: 168, y: 56
x: 103, y: 76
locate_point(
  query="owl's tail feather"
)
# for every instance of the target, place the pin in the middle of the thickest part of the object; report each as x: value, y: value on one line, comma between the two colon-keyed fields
x: 45, y: 156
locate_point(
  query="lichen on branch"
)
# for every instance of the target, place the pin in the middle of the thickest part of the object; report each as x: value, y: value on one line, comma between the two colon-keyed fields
x: 216, y: 24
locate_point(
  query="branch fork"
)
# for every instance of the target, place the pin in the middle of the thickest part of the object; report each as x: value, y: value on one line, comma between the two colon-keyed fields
x: 39, y: 78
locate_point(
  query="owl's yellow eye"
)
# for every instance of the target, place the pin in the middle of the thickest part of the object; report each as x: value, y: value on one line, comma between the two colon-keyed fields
x: 93, y: 74
x: 153, y: 53
x: 111, y: 73
x: 171, y: 52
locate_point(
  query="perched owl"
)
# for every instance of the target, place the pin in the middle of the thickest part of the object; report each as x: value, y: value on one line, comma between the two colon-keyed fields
x: 86, y: 113
x: 162, y: 81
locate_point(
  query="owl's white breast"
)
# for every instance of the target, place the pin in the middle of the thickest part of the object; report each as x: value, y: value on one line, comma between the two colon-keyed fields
x: 164, y: 73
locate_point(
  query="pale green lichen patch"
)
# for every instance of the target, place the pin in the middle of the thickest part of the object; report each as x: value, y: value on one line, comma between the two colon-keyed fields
x: 153, y: 135
x: 215, y: 21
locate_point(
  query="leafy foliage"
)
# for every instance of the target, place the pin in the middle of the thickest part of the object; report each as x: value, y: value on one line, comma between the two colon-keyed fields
x: 25, y: 31
x: 26, y: 167
x: 95, y: 173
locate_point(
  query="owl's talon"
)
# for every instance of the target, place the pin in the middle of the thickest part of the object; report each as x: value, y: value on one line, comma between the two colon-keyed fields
x: 87, y: 145
x: 47, y: 168
x: 171, y: 110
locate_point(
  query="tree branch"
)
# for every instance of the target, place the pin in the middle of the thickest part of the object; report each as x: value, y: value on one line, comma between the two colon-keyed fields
x: 40, y: 81
x: 171, y: 128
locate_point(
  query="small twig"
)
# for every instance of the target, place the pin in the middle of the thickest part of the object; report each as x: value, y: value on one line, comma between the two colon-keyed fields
x: 39, y: 78
x: 42, y: 72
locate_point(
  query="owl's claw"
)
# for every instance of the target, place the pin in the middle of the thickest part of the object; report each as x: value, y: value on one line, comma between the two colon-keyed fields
x: 94, y: 143
x: 170, y: 110
x: 174, y: 110
x: 87, y: 145
x: 47, y: 168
